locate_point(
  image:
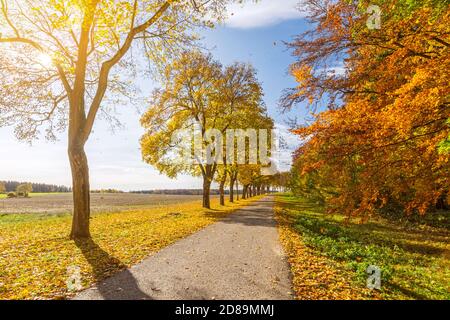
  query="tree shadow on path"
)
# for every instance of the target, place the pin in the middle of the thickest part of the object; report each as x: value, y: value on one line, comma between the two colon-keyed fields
x: 122, y: 285
x: 257, y: 214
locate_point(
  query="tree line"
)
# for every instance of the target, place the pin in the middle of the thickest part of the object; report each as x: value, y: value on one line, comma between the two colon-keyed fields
x: 11, y: 186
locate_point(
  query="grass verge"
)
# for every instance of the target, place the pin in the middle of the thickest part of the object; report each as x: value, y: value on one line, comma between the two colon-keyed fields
x: 36, y: 253
x: 329, y: 257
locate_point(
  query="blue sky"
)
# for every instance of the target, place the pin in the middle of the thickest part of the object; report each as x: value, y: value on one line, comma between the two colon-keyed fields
x: 254, y: 34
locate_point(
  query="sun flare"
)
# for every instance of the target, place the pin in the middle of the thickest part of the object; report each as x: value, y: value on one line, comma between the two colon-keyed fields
x: 45, y: 60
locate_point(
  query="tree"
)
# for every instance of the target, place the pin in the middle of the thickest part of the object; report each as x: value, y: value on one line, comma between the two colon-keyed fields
x: 247, y: 175
x: 187, y: 99
x: 194, y: 95
x: 281, y: 181
x: 378, y: 141
x: 60, y: 58
x: 221, y: 178
x: 24, y: 189
x: 250, y: 174
x: 2, y: 187
x: 233, y: 171
x: 241, y: 95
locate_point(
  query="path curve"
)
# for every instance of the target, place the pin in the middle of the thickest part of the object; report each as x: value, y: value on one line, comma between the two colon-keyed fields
x: 239, y: 257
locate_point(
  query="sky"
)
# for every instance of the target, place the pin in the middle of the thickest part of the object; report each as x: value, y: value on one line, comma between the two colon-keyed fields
x: 254, y: 33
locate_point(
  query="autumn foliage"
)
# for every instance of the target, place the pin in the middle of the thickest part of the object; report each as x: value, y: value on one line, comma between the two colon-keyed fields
x: 382, y: 140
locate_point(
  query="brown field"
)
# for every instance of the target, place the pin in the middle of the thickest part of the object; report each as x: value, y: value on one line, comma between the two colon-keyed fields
x: 62, y: 203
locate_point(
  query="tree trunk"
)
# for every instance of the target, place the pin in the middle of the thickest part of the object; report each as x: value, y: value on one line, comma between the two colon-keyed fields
x: 222, y: 191
x: 237, y: 190
x: 206, y: 191
x: 80, y: 189
x: 244, y: 192
x: 258, y: 190
x: 231, y: 190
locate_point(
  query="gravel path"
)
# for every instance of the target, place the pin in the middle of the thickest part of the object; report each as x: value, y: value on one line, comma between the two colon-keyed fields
x: 239, y: 257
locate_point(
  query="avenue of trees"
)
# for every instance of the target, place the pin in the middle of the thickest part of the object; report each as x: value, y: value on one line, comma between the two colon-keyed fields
x: 197, y: 90
x: 383, y: 141
x: 65, y: 62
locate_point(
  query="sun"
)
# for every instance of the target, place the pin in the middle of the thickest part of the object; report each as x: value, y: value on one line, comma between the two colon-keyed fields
x: 45, y: 60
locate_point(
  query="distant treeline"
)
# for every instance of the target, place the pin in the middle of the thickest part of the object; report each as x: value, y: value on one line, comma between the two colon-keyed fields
x: 37, y: 187
x: 107, y: 191
x: 195, y: 192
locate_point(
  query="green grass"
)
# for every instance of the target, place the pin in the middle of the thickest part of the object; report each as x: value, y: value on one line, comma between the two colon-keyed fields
x: 38, y: 194
x: 12, y: 218
x: 414, y: 259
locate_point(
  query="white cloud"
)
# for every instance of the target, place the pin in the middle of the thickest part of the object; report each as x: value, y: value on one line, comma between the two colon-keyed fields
x: 262, y: 13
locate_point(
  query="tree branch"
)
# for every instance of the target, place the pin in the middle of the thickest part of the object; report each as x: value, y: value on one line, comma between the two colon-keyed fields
x: 107, y: 65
